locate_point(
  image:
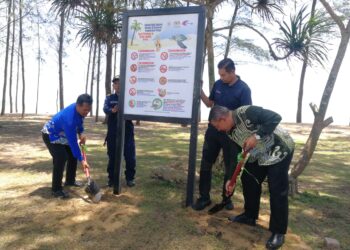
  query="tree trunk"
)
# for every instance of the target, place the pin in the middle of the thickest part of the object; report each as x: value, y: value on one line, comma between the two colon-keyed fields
x: 209, y: 46
x: 39, y: 66
x: 228, y: 42
x: 115, y: 60
x: 98, y: 80
x: 12, y: 53
x: 303, y: 71
x: 319, y: 122
x: 93, y: 75
x: 88, y: 68
x: 22, y: 57
x: 6, y: 57
x: 109, y: 56
x: 301, y: 90
x: 60, y: 61
x: 17, y: 80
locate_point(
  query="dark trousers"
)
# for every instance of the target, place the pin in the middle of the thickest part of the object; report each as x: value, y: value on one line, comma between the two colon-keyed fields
x: 214, y: 141
x: 277, y: 179
x: 129, y: 153
x: 60, y: 155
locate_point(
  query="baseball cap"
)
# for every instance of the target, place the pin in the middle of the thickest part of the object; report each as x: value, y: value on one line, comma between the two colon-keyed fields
x: 116, y: 78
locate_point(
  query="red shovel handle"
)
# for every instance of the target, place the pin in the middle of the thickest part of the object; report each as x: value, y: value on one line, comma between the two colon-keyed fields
x: 239, y: 166
x: 87, y: 172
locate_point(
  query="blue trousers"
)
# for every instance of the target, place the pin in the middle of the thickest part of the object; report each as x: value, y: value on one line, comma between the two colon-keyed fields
x: 214, y: 141
x: 129, y: 153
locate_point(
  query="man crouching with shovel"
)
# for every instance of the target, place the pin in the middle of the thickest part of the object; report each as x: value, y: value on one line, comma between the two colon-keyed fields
x: 271, y: 150
x: 60, y: 137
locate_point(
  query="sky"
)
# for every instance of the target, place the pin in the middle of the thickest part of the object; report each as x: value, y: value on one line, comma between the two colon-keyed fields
x: 274, y: 85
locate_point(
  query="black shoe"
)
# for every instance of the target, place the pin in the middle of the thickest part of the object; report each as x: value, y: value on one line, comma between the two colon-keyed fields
x: 275, y: 241
x: 244, y: 219
x: 74, y: 184
x: 201, y: 204
x: 229, y: 205
x: 130, y: 183
x: 110, y: 184
x: 60, y: 194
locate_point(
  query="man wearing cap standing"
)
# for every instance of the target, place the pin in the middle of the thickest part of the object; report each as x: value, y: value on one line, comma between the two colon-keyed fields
x: 110, y: 108
x: 231, y: 92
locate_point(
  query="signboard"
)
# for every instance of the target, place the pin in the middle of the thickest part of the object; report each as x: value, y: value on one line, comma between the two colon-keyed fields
x: 161, y: 71
x: 162, y: 57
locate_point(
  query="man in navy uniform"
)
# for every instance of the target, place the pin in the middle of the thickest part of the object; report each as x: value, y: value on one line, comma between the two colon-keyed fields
x: 231, y: 92
x: 111, y: 109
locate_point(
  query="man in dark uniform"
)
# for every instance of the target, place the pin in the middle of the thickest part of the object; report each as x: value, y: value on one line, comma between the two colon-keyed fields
x: 111, y: 109
x: 231, y: 92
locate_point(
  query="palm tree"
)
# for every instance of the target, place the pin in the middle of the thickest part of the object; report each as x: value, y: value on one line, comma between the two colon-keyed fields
x: 22, y: 57
x: 99, y: 23
x: 305, y: 40
x: 6, y: 57
x: 63, y: 8
x: 343, y: 23
x: 12, y: 53
x: 136, y: 26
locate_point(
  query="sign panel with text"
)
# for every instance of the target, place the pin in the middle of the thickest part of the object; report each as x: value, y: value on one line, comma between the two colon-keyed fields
x: 162, y: 56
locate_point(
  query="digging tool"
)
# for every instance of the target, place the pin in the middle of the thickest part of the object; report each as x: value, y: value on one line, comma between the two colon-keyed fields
x: 218, y: 207
x: 92, y: 189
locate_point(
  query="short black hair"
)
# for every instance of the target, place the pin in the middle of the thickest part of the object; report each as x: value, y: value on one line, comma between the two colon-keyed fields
x: 84, y: 98
x: 115, y: 79
x: 227, y: 64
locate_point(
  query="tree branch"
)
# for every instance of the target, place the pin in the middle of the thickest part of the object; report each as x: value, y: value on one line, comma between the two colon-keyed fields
x: 326, y: 122
x: 246, y: 3
x: 314, y: 108
x: 272, y: 53
x: 334, y: 16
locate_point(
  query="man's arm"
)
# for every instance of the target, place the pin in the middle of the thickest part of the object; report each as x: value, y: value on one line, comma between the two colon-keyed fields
x: 209, y: 103
x: 106, y: 108
x: 246, y: 97
x: 268, y: 121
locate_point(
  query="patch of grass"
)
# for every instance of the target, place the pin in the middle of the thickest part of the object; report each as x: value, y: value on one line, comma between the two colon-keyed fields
x: 151, y: 214
x: 322, y: 208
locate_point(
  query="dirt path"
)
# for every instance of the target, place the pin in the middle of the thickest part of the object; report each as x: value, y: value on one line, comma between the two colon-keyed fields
x: 32, y: 219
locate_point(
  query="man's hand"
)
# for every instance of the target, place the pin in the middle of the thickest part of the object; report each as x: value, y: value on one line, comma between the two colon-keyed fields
x: 84, y: 165
x: 115, y: 109
x: 250, y: 143
x: 229, y: 189
x: 82, y: 139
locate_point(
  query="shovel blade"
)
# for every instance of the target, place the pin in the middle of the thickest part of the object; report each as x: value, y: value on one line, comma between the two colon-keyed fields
x: 216, y: 208
x: 92, y: 188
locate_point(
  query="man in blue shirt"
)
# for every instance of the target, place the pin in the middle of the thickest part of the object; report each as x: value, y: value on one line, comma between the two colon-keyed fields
x: 231, y: 92
x: 110, y: 107
x: 60, y: 137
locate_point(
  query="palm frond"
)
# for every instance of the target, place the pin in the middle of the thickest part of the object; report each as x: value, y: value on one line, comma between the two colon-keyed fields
x: 304, y: 38
x: 266, y: 9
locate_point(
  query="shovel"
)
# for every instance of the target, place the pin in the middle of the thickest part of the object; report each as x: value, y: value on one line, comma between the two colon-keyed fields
x: 218, y: 207
x: 92, y: 189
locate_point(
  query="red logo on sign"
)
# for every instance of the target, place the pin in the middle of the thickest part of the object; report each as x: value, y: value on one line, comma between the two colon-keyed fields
x: 133, y: 79
x: 132, y: 91
x: 163, y: 68
x: 133, y: 67
x: 134, y: 55
x: 164, y: 55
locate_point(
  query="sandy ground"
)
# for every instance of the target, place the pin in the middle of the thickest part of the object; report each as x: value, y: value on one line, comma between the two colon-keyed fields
x: 32, y: 219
